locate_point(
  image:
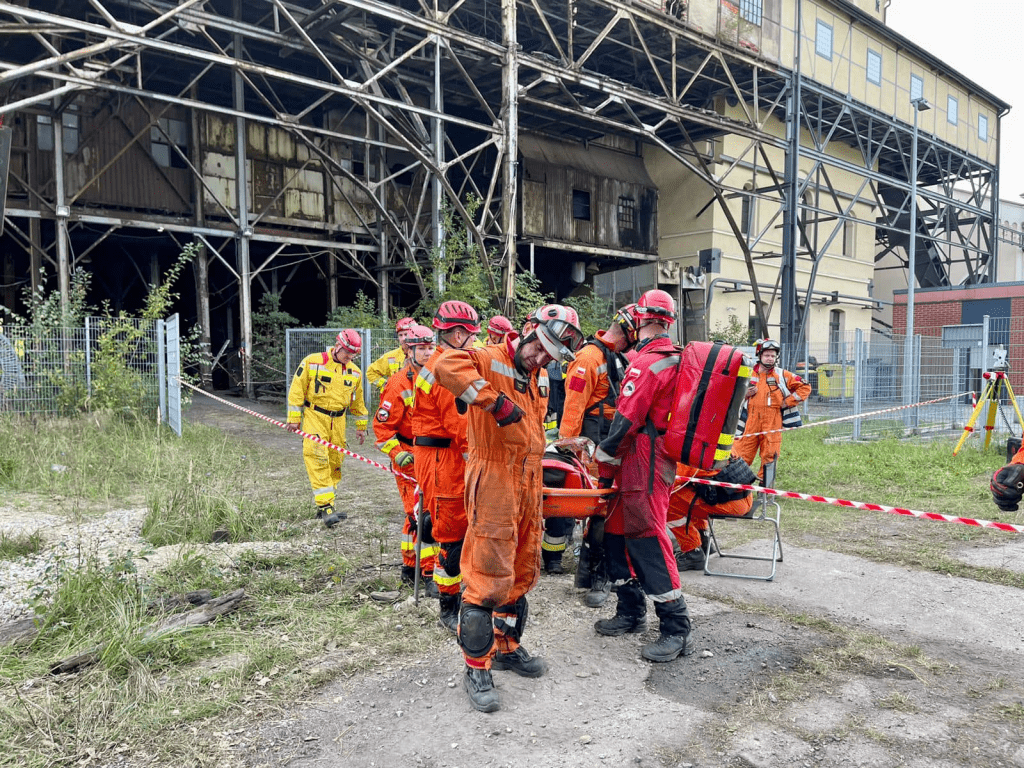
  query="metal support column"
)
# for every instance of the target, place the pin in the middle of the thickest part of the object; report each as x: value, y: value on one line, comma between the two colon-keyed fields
x: 62, y: 210
x: 244, y: 230
x: 789, y: 312
x: 510, y: 115
x: 201, y: 262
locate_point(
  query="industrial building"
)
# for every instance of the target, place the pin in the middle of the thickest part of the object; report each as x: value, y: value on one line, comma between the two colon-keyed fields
x: 760, y: 156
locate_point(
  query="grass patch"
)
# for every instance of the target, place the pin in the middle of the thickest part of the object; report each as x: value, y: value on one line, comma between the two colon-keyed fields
x: 18, y: 545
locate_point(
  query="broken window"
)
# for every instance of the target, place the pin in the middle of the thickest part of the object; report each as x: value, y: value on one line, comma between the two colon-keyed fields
x: 167, y: 134
x: 627, y: 213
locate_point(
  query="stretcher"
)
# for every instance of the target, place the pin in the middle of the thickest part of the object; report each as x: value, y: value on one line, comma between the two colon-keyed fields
x: 569, y: 488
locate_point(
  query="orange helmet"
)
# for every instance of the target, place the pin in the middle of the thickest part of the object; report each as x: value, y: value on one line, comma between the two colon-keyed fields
x: 405, y: 324
x: 655, y: 307
x: 456, y: 314
x: 350, y: 341
x: 558, y: 330
x: 420, y: 336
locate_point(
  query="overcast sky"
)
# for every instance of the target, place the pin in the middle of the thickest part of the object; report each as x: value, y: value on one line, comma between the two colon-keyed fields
x: 983, y: 40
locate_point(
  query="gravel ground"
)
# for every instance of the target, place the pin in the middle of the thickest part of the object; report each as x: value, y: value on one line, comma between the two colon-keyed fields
x: 26, y: 579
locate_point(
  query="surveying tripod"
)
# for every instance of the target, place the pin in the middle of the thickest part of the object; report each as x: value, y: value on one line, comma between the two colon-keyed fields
x: 996, y: 382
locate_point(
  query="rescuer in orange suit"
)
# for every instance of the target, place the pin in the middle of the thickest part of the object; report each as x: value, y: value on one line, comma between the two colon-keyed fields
x: 637, y: 544
x: 440, y: 448
x: 1007, y: 484
x: 691, y: 503
x: 326, y: 386
x: 384, y: 367
x: 772, y: 390
x: 392, y: 426
x: 592, y: 385
x: 498, y: 327
x: 506, y: 386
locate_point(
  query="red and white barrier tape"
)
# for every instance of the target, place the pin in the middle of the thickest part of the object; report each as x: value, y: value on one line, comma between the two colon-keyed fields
x: 861, y: 505
x: 855, y: 416
x: 306, y: 435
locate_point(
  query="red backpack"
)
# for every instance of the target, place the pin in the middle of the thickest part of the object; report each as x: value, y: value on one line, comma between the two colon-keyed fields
x: 711, y: 387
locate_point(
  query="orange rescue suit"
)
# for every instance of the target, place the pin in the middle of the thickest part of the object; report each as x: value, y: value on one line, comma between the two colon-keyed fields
x: 685, y: 502
x: 501, y: 554
x: 774, y: 390
x: 392, y: 427
x: 439, y: 438
x: 586, y: 386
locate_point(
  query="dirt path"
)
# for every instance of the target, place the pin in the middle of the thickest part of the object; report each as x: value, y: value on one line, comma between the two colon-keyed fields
x: 838, y: 662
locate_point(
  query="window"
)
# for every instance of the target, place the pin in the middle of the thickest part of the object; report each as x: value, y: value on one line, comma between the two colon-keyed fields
x: 750, y: 10
x: 581, y: 204
x: 747, y: 216
x: 627, y: 213
x: 823, y: 40
x: 916, y: 87
x: 164, y: 137
x: 983, y: 127
x: 836, y: 347
x: 874, y: 67
x: 70, y: 131
x: 951, y: 110
x: 849, y: 239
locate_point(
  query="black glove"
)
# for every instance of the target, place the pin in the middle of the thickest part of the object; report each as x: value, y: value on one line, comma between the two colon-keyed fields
x: 461, y: 406
x: 604, y: 483
x: 506, y: 412
x: 1008, y: 486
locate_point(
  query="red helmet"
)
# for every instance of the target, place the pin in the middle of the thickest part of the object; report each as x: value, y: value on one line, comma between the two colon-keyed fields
x: 456, y: 314
x: 763, y: 345
x: 405, y: 324
x: 420, y: 336
x: 350, y: 341
x: 499, y: 325
x: 558, y: 330
x: 655, y: 307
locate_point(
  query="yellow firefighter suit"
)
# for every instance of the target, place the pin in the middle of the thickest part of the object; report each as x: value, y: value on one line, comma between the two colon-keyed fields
x: 323, y: 391
x: 384, y: 367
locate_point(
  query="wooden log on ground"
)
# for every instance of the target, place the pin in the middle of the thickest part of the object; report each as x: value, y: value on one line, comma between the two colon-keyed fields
x: 20, y: 631
x: 204, y: 614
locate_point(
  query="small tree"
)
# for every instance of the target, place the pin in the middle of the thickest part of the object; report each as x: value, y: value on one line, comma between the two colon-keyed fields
x: 595, y: 312
x: 734, y: 333
x: 362, y: 313
x: 269, y: 324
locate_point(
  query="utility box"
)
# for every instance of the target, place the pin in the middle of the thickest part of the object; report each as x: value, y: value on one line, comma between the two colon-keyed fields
x: 835, y: 380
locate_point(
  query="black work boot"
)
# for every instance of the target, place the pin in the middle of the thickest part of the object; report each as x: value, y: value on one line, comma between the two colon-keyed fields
x: 630, y: 613
x: 449, y: 618
x: 675, y: 637
x: 323, y: 511
x: 597, y: 595
x: 519, y: 661
x: 331, y: 517
x: 409, y: 574
x: 668, y: 647
x: 480, y: 687
x: 552, y: 562
x: 690, y: 561
x: 705, y: 542
x: 430, y: 586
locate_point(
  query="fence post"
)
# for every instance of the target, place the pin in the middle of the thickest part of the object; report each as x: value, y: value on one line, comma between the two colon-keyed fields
x: 984, y: 347
x: 858, y: 379
x: 365, y: 360
x: 916, y: 392
x: 88, y: 359
x: 161, y: 368
x: 287, y: 366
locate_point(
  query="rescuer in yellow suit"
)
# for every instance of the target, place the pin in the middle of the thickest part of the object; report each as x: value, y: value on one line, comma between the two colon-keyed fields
x: 387, y: 365
x: 326, y: 386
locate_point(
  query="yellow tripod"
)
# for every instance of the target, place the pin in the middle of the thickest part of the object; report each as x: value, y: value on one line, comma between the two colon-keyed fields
x: 996, y: 381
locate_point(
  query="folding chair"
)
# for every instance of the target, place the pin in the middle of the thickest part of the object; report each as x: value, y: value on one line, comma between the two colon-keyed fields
x: 766, y: 510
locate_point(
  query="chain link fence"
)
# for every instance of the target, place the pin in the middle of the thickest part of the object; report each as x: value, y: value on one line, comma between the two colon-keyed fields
x: 860, y: 372
x: 300, y: 342
x: 110, y: 363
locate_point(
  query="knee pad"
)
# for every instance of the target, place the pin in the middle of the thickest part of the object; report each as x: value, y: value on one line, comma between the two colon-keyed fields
x: 450, y: 556
x: 476, y: 630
